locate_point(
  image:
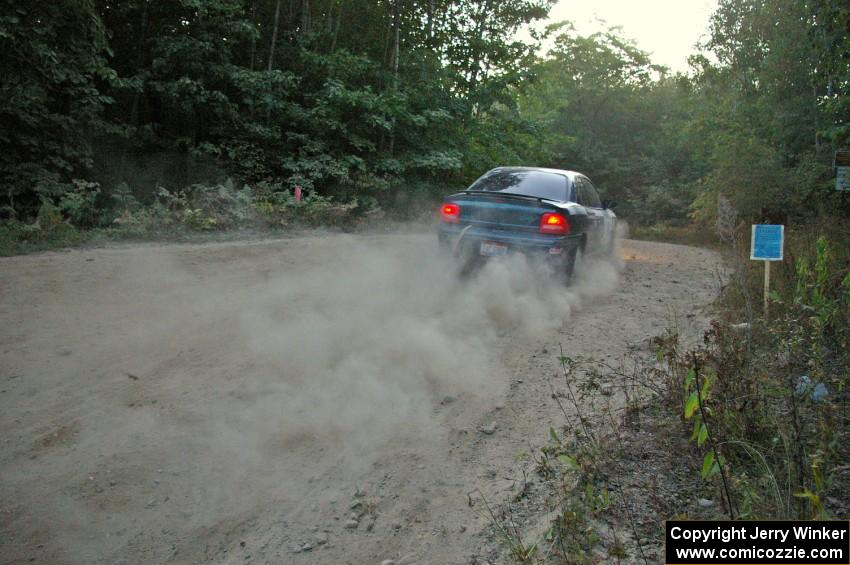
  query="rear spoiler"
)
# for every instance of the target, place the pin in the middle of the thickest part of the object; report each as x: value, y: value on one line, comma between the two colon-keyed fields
x: 503, y: 195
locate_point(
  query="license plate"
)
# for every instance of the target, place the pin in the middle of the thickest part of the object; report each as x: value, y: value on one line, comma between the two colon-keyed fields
x: 493, y: 249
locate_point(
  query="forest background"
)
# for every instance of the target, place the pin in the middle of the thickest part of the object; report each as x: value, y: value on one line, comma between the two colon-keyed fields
x: 148, y: 117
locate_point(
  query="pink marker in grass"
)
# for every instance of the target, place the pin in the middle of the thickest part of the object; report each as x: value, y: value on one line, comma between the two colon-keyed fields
x: 297, y: 194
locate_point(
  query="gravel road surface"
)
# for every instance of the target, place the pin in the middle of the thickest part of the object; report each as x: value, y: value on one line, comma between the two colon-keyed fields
x: 321, y: 399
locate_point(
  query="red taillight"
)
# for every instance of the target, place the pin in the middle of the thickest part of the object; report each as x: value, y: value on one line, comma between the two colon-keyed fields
x: 450, y: 213
x: 554, y: 223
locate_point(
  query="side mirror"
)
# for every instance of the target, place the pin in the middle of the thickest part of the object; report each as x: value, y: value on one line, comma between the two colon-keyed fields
x: 609, y: 204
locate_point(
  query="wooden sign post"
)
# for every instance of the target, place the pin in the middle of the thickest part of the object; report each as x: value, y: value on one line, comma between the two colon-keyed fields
x: 767, y: 244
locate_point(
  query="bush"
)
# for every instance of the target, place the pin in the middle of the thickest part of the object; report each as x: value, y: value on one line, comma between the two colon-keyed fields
x: 277, y: 207
x: 766, y: 398
x: 78, y: 203
x: 85, y: 211
x: 47, y: 233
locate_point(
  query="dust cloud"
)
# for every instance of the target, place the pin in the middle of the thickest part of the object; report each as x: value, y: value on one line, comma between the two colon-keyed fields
x: 347, y: 347
x: 361, y: 347
x: 166, y: 403
x: 199, y: 384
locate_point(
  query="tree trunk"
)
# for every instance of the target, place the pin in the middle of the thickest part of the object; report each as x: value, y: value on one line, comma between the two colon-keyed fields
x: 305, y: 16
x: 274, y: 34
x: 815, y: 113
x: 397, y: 27
x: 253, y: 39
x: 337, y: 26
x: 137, y: 95
x: 386, y: 62
x: 140, y: 56
x: 430, y: 22
x: 386, y: 59
x: 475, y: 67
x: 329, y: 18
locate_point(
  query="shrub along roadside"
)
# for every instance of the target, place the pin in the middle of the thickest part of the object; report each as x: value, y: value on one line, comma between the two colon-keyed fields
x: 690, y: 234
x: 82, y: 216
x: 754, y: 423
x: 768, y: 399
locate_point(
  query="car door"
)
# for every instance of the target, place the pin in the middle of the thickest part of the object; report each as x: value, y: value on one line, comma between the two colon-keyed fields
x: 608, y: 223
x: 589, y: 198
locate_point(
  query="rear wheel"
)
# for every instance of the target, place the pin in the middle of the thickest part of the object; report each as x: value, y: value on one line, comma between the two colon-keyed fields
x: 611, y: 248
x: 575, y: 264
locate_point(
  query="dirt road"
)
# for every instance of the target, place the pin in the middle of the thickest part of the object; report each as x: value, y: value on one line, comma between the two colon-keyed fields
x: 326, y: 399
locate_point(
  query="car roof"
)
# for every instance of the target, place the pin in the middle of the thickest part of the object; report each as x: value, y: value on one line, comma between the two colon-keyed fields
x: 569, y: 174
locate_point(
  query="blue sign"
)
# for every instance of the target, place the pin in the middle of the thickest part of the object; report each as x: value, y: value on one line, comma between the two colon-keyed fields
x: 767, y: 243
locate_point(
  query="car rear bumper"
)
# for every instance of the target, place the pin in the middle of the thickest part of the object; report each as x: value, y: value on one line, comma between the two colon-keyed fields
x: 467, y: 242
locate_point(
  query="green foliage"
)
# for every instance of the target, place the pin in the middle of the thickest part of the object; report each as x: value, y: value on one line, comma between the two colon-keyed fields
x: 764, y: 116
x: 400, y: 102
x: 79, y: 203
x: 698, y: 385
x: 197, y: 208
x: 185, y: 93
x: 765, y: 398
x: 602, y: 107
x: 52, y: 97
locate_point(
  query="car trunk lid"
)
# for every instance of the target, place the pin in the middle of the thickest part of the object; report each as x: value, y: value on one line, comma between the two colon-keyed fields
x: 510, y: 212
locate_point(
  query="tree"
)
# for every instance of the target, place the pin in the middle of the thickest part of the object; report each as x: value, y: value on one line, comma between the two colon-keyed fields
x: 54, y: 68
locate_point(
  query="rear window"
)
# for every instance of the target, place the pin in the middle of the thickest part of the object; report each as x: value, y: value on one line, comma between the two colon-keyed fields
x: 539, y: 184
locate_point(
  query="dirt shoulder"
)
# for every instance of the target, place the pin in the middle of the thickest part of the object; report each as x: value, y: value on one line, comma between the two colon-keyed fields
x: 325, y: 399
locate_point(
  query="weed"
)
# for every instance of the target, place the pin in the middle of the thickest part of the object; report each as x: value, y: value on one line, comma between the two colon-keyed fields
x: 770, y: 400
x: 579, y: 459
x: 510, y: 535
